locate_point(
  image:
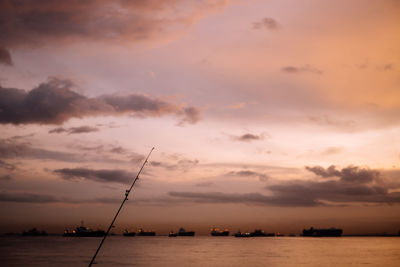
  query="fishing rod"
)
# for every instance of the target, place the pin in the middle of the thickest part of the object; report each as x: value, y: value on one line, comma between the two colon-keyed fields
x: 120, y: 207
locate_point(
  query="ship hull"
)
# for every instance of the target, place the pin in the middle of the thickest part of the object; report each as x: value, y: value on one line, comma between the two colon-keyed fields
x: 186, y: 234
x: 89, y: 234
x: 146, y: 234
x: 220, y: 234
x: 332, y: 232
x: 129, y: 234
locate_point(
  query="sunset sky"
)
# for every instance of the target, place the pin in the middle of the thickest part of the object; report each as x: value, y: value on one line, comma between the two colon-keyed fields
x: 271, y: 114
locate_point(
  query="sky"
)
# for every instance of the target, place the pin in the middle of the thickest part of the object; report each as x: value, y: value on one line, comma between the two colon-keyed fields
x: 278, y: 115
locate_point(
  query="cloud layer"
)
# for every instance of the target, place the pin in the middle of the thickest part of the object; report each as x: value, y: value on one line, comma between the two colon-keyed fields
x: 268, y: 23
x: 305, y: 68
x: 75, y: 130
x: 103, y: 176
x: 54, y: 102
x: 355, y: 185
x: 5, y: 57
x: 33, y: 23
x: 248, y: 137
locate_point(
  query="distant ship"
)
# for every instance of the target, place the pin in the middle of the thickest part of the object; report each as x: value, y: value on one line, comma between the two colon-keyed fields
x: 127, y: 233
x: 331, y: 232
x: 259, y: 232
x: 142, y: 232
x: 172, y: 234
x: 218, y: 232
x: 240, y: 234
x: 183, y: 232
x: 82, y: 231
x: 34, y: 232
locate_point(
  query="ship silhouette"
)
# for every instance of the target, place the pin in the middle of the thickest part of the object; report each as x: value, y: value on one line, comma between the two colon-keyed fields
x: 34, y: 232
x: 142, y: 232
x: 329, y: 232
x: 83, y: 231
x: 218, y: 232
x: 183, y: 232
x: 127, y: 233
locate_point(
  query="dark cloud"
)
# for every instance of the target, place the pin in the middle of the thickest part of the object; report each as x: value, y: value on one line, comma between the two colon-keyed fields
x: 54, y: 102
x: 118, y: 150
x: 28, y: 23
x: 350, y: 174
x: 191, y: 115
x: 5, y: 57
x: 58, y: 130
x: 300, y: 194
x: 19, y: 148
x: 75, y: 130
x: 5, y: 165
x: 248, y: 173
x: 268, y: 23
x: 5, y: 177
x: 335, y: 192
x: 305, y: 68
x: 247, y: 198
x: 248, y: 137
x: 354, y: 186
x: 14, y: 148
x: 103, y: 176
x: 179, y: 165
x: 320, y: 171
x: 25, y: 197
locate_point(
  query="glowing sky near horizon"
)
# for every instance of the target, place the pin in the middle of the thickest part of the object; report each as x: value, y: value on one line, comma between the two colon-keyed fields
x: 248, y: 103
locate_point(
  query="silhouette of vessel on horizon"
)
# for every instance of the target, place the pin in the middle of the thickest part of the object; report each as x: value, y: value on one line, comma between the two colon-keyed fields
x: 34, y: 232
x: 240, y: 234
x: 83, y: 231
x: 172, y: 234
x: 218, y: 232
x: 259, y: 232
x: 329, y: 232
x: 142, y: 232
x: 183, y: 232
x: 256, y: 233
x: 127, y: 233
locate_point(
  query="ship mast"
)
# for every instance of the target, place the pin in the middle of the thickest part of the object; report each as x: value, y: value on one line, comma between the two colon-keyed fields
x: 120, y: 207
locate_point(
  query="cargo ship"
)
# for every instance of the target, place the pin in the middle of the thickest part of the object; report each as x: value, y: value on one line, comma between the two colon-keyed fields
x: 142, y: 232
x: 172, y: 234
x: 82, y: 231
x: 183, y: 232
x: 330, y: 232
x: 127, y: 233
x: 259, y: 232
x: 34, y: 232
x: 240, y: 234
x: 219, y: 232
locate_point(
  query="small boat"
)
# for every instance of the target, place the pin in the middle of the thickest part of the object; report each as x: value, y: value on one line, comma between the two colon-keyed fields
x: 34, y: 232
x: 172, y: 234
x: 127, y: 233
x: 218, y: 232
x: 240, y: 234
x: 183, y: 232
x: 142, y: 232
x: 82, y: 231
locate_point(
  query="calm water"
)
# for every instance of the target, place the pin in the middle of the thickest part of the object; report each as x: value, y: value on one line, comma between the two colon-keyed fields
x: 201, y: 251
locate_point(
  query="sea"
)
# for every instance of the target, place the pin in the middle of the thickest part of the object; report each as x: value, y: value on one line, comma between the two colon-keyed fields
x: 200, y: 251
